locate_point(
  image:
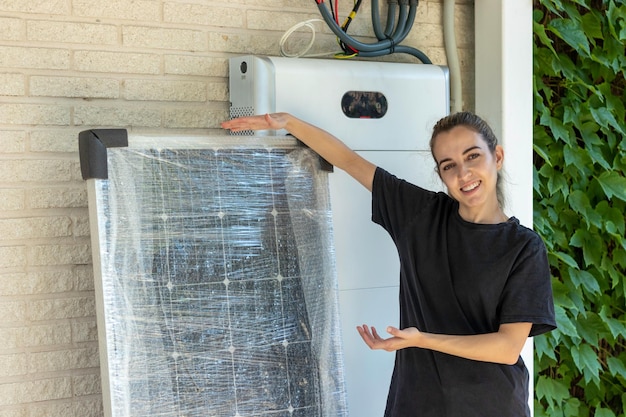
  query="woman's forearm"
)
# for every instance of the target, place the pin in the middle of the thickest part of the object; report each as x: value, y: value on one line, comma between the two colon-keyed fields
x: 503, y: 346
x: 326, y: 145
x: 330, y: 148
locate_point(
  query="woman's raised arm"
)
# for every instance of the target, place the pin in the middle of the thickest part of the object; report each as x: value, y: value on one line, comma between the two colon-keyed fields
x: 326, y: 145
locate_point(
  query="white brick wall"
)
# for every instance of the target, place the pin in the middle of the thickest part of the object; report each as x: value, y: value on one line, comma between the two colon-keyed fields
x: 145, y: 65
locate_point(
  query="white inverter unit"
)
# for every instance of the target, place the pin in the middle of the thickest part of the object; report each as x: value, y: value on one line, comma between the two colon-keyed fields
x: 384, y: 111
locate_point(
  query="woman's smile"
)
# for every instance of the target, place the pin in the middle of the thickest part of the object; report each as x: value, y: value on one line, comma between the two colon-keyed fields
x: 470, y: 187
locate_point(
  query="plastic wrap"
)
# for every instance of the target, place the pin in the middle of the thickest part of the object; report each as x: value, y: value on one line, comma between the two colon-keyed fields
x: 219, y: 293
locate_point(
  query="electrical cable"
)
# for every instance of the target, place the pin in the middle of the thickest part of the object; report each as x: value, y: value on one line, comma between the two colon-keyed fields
x: 376, y: 22
x: 347, y: 50
x: 388, y: 42
x: 388, y: 39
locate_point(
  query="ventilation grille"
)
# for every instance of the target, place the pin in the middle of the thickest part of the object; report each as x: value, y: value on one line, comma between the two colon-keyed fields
x: 241, y: 112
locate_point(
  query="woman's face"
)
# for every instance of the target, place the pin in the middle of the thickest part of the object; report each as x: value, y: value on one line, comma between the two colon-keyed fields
x: 468, y: 168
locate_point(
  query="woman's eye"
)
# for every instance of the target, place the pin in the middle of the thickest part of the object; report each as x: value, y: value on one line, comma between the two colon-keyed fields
x: 473, y: 156
x: 447, y: 167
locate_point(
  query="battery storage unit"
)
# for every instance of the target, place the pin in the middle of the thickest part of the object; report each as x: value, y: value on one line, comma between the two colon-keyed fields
x: 384, y: 111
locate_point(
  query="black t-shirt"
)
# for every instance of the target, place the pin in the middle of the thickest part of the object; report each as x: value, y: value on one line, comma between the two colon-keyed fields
x: 459, y: 278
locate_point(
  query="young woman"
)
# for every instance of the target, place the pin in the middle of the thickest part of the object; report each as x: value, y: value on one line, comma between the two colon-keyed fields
x: 474, y: 283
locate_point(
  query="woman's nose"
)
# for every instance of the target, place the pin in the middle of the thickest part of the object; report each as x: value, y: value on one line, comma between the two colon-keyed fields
x: 464, y: 171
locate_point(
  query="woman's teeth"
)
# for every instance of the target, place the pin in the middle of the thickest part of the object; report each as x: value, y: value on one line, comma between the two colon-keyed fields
x: 471, y: 186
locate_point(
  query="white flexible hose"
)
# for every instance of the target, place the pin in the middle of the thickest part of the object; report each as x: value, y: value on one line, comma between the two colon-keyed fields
x: 291, y: 30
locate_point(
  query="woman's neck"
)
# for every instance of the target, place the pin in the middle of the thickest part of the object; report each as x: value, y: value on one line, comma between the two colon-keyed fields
x: 492, y: 216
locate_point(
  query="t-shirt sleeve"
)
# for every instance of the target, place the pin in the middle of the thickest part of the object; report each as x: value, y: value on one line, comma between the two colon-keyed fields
x: 390, y: 198
x: 527, y: 295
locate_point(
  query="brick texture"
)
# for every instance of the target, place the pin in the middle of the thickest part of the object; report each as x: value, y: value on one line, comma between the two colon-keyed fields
x: 145, y: 65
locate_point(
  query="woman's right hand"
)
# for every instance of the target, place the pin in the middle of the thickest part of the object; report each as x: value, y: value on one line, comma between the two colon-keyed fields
x: 274, y: 121
x: 322, y: 142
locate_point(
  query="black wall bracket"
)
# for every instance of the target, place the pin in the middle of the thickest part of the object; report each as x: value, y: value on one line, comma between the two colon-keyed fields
x: 92, y: 148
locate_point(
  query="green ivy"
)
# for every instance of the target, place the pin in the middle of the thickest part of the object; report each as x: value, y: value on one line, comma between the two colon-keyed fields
x: 579, y: 203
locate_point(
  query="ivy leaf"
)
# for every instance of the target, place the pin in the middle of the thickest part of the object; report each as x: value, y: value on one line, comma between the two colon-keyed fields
x: 591, y: 245
x: 579, y: 202
x: 555, y: 6
x: 572, y: 115
x: 622, y: 34
x: 594, y: 146
x: 559, y: 131
x: 612, y: 216
x: 613, y: 184
x: 613, y: 53
x: 616, y: 367
x: 558, y: 183
x: 577, y: 157
x: 585, y: 279
x: 567, y: 296
x: 616, y: 327
x: 571, y: 33
x: 608, y: 266
x: 543, y: 347
x: 536, y: 187
x: 571, y: 408
x: 613, y: 16
x: 561, y: 294
x: 582, y: 3
x: 553, y: 391
x: 605, y: 118
x: 591, y: 328
x: 614, y: 103
x: 567, y: 259
x: 540, y: 31
x: 586, y: 359
x: 592, y: 25
x: 564, y: 323
x: 596, y: 155
x: 539, y: 151
x: 603, y: 412
x: 619, y: 254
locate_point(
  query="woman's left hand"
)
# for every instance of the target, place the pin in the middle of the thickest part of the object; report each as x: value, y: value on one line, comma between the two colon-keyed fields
x: 503, y: 346
x: 399, y: 339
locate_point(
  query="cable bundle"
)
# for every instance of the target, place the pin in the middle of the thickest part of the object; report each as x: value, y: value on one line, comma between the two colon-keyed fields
x: 389, y: 38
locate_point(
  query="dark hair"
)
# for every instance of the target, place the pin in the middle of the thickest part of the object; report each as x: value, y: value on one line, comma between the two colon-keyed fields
x: 478, y: 125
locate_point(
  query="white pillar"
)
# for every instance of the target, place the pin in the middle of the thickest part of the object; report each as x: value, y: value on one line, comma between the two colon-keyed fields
x: 504, y: 91
x: 504, y: 97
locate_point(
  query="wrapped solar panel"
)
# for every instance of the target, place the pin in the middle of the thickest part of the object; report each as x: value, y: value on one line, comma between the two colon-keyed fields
x: 215, y: 277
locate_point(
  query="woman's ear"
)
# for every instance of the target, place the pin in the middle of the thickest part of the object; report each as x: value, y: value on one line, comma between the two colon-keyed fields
x: 499, y: 156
